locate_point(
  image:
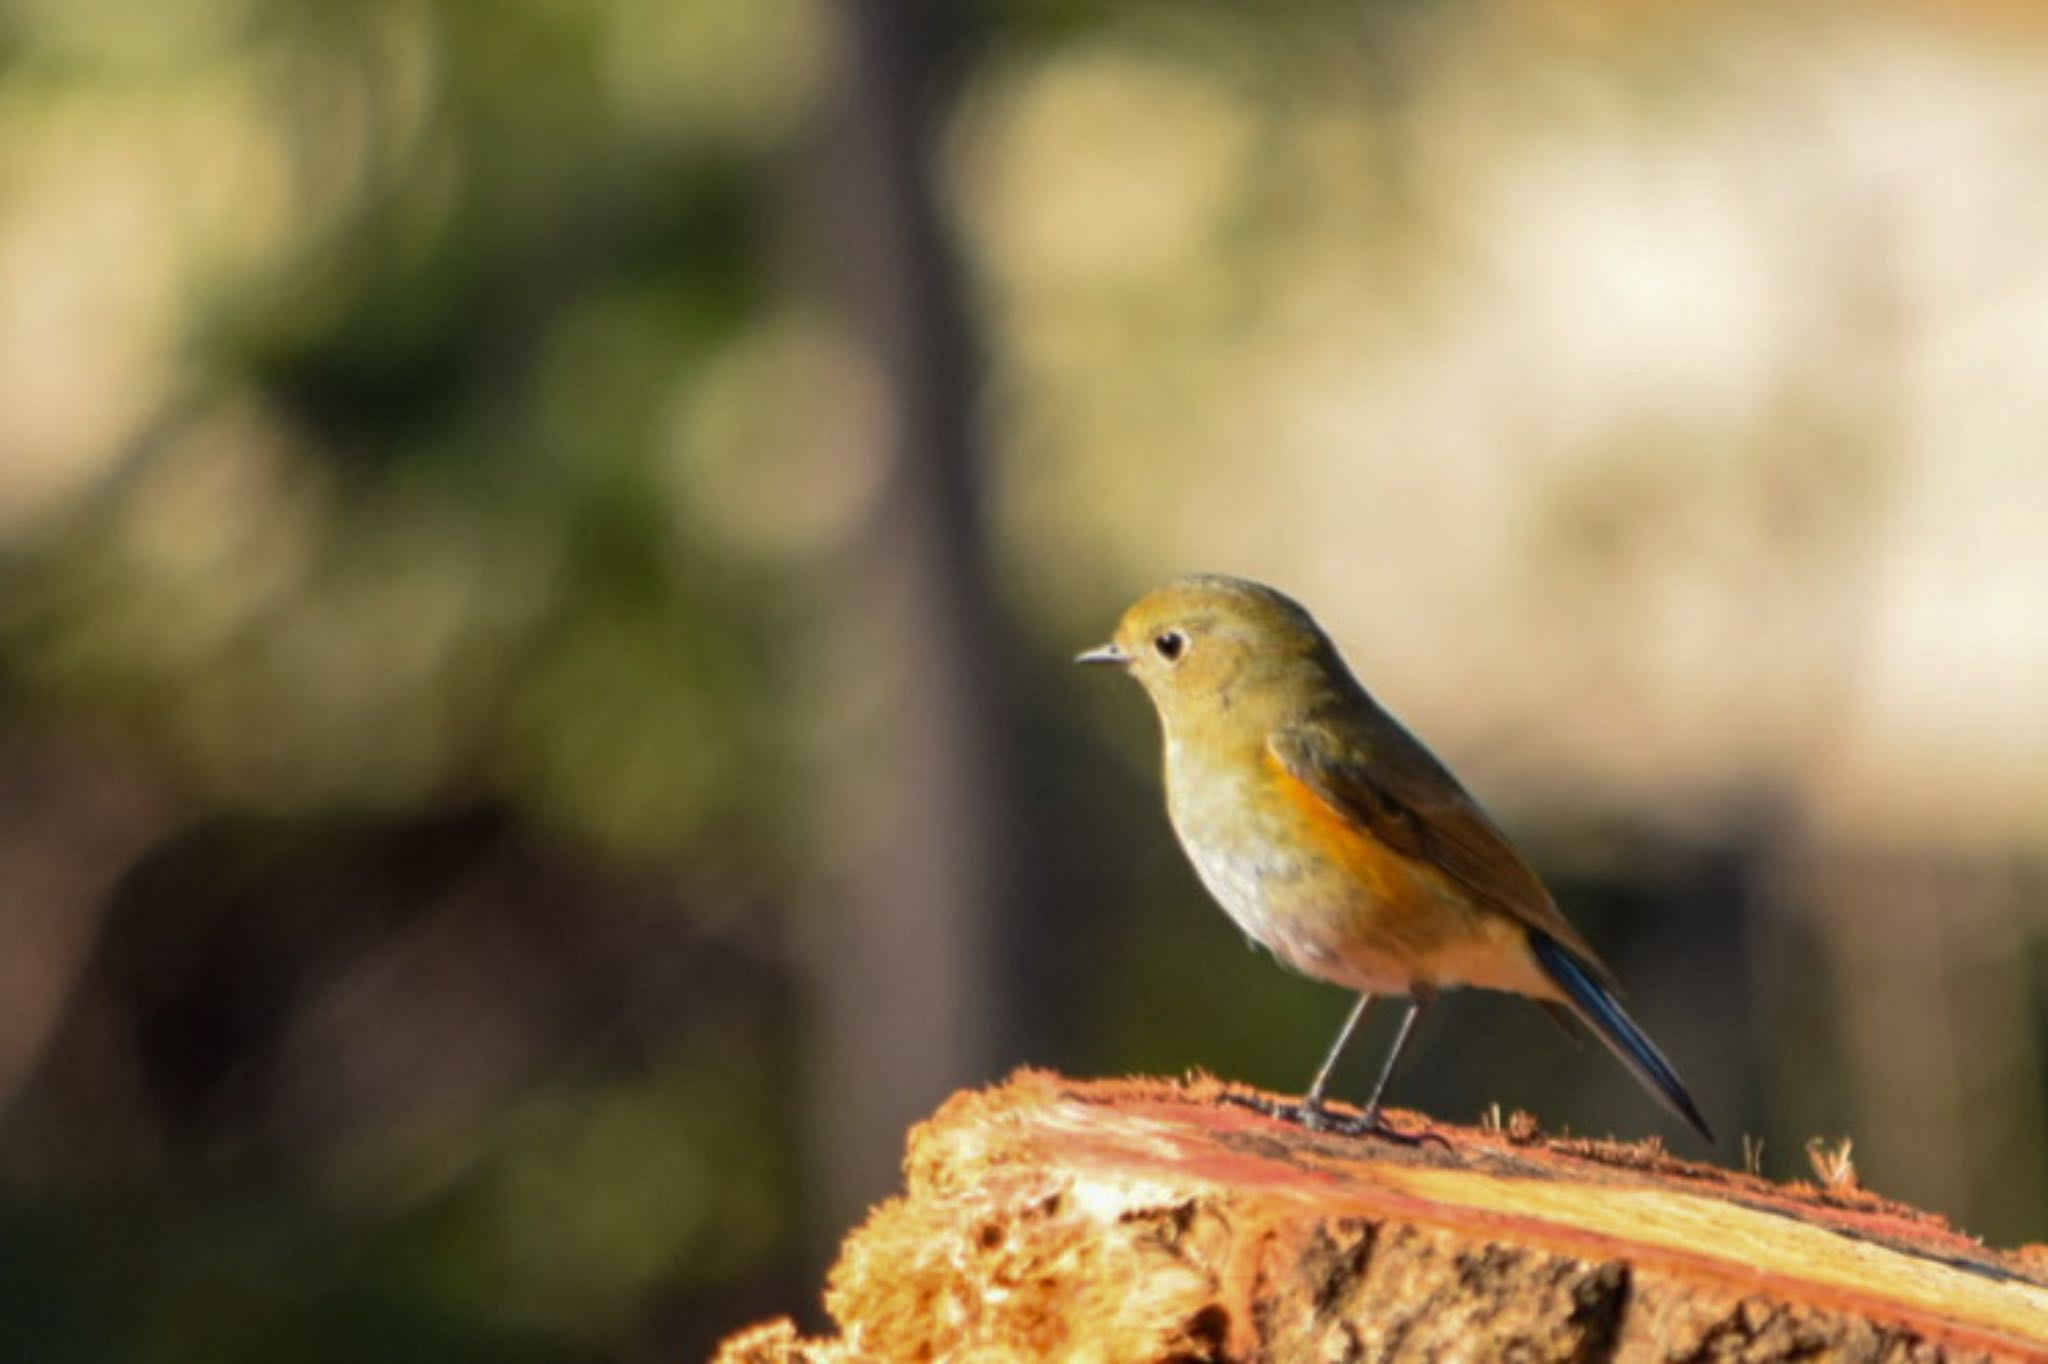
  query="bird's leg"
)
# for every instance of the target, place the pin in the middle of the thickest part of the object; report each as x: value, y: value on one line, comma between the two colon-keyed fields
x: 1313, y: 1114
x: 1310, y: 1112
x: 1418, y: 1004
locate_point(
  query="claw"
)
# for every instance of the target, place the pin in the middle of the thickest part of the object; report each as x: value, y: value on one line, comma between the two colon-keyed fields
x: 1272, y: 1108
x: 1314, y: 1117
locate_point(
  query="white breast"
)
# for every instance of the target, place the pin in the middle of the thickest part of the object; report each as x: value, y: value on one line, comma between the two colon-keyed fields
x: 1244, y: 873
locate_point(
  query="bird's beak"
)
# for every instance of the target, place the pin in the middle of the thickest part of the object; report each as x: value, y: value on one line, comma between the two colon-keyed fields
x: 1104, y: 653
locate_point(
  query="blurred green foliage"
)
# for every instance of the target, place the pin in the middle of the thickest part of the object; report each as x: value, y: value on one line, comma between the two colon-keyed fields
x: 393, y: 529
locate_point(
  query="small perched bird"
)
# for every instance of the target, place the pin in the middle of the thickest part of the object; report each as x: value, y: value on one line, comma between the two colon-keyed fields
x: 1338, y: 841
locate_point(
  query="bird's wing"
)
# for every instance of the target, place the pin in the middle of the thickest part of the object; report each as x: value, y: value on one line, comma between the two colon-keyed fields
x: 1398, y: 792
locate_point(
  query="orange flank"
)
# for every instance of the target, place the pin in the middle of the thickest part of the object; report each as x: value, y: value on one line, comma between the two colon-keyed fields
x: 1410, y: 919
x: 1393, y: 879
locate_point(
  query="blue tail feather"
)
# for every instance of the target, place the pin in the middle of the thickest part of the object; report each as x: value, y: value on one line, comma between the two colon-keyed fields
x: 1604, y: 1015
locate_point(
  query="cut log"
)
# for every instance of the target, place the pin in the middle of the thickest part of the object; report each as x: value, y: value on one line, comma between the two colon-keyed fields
x: 1147, y: 1220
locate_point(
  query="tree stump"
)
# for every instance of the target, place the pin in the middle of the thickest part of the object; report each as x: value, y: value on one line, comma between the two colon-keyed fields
x: 1146, y: 1220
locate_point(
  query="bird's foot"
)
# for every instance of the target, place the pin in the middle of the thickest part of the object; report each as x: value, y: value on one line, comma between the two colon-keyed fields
x: 1313, y: 1115
x: 1374, y: 1124
x: 1270, y: 1106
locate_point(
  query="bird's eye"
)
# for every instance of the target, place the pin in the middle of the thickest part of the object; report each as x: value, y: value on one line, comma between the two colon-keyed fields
x: 1170, y: 645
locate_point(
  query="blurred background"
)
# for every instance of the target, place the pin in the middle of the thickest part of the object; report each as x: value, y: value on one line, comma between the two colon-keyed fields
x: 540, y: 544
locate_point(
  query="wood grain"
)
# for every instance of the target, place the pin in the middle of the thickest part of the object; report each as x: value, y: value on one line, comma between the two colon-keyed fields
x: 1145, y: 1220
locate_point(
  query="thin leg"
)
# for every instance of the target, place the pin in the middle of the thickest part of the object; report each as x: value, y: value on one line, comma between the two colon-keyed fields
x: 1313, y: 1102
x: 1310, y: 1112
x: 1417, y: 1006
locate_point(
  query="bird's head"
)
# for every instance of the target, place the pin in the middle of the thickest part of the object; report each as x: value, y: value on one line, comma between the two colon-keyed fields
x: 1205, y: 647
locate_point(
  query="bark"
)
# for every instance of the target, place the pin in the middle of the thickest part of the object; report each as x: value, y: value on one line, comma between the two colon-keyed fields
x: 1141, y: 1220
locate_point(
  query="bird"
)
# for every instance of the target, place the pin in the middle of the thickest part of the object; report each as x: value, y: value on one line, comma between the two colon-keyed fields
x: 1338, y: 841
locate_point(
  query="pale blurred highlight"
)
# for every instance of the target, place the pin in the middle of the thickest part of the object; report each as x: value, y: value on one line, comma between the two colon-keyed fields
x: 1708, y: 411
